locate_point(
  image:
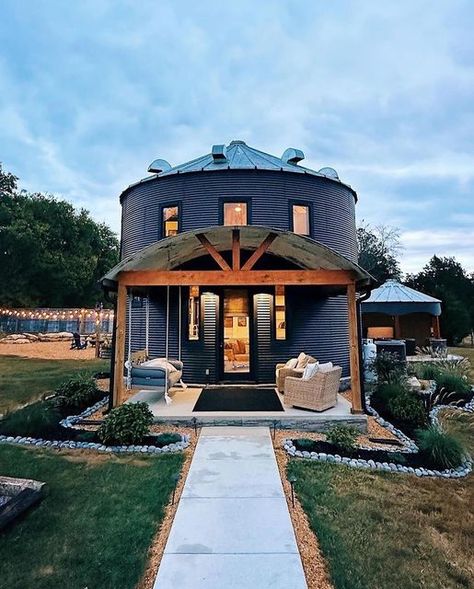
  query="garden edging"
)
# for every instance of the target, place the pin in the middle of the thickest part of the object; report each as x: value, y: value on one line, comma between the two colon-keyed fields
x: 411, y: 447
x: 71, y: 420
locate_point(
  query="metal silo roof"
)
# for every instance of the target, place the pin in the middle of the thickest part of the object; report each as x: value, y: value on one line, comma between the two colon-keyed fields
x: 240, y: 156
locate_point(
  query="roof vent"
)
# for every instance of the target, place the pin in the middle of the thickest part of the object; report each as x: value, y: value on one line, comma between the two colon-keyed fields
x: 292, y: 156
x: 329, y: 173
x: 219, y: 154
x: 158, y: 166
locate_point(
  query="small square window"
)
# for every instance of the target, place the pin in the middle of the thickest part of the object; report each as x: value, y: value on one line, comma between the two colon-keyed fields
x: 301, y: 219
x: 235, y: 213
x: 170, y: 221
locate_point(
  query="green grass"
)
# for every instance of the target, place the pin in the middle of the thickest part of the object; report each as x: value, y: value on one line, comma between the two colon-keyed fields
x: 23, y: 380
x: 381, y: 531
x: 94, y: 527
x: 467, y: 353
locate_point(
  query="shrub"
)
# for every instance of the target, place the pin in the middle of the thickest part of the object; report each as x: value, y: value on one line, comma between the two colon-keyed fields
x: 388, y: 368
x: 408, y: 407
x: 426, y: 371
x: 343, y: 437
x: 127, y: 424
x: 440, y: 449
x: 166, y: 439
x: 452, y: 382
x: 77, y: 393
x: 386, y: 391
x: 39, y: 420
x: 304, y: 444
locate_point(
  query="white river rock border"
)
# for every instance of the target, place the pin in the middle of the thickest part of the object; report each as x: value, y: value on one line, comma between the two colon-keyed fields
x: 410, y: 447
x: 72, y: 420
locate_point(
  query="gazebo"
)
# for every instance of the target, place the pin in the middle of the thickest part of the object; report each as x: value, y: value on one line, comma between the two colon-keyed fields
x: 396, y: 310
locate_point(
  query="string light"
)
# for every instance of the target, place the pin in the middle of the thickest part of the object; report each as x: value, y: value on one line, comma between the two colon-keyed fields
x: 57, y: 314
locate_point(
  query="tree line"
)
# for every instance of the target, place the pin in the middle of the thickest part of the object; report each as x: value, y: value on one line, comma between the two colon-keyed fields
x: 51, y: 255
x: 442, y: 277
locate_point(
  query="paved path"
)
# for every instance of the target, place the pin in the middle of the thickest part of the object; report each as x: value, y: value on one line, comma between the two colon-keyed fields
x: 232, y: 528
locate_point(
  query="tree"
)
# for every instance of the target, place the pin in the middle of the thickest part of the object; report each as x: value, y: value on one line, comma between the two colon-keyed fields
x: 50, y: 254
x: 378, y: 250
x: 445, y: 279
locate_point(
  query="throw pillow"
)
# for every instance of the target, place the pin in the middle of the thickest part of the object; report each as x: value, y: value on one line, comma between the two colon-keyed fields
x: 292, y: 362
x: 326, y: 367
x: 302, y: 360
x: 310, y: 370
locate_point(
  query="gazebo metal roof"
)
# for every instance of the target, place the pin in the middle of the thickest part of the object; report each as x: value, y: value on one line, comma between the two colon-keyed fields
x: 394, y: 298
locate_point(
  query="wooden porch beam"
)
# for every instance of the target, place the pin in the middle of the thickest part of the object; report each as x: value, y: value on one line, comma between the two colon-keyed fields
x: 213, y: 252
x: 258, y: 253
x: 235, y: 249
x: 236, y: 278
x: 354, y: 349
x: 119, y: 361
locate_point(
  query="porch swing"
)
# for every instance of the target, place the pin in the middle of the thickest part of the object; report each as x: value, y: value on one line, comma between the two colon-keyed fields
x: 157, y: 374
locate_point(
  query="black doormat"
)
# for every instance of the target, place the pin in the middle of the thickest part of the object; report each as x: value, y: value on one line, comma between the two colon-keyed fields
x: 238, y: 399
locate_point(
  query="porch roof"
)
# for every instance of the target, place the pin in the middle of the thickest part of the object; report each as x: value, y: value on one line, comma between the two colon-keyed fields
x: 172, y: 252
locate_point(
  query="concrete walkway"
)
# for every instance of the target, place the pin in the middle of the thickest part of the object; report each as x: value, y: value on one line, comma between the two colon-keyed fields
x: 232, y: 528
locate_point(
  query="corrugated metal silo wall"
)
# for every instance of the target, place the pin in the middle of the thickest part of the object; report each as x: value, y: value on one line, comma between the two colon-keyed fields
x: 197, y: 356
x: 333, y: 207
x: 317, y: 326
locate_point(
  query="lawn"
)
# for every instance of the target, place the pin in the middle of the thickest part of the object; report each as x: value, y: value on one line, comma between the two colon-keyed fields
x: 94, y: 527
x: 467, y: 353
x: 384, y: 531
x: 23, y: 380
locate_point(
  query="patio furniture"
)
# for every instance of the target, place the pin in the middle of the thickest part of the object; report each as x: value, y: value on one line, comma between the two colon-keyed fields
x: 283, y: 370
x: 159, y: 373
x: 318, y: 393
x: 76, y: 343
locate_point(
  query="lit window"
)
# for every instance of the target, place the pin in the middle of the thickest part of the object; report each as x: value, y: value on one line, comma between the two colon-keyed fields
x: 193, y: 313
x: 170, y: 221
x: 280, y: 312
x: 301, y: 219
x: 235, y: 213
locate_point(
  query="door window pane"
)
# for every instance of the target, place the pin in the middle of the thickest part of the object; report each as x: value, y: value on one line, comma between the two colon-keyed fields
x: 235, y: 213
x: 170, y: 221
x: 301, y: 219
x: 193, y: 313
x: 236, y: 331
x: 280, y: 313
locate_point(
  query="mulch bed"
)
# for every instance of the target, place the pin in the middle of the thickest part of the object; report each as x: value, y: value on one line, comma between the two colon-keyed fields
x: 405, y: 459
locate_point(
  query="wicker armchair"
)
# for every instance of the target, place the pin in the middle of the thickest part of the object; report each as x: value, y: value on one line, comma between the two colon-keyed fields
x: 317, y: 393
x: 282, y: 373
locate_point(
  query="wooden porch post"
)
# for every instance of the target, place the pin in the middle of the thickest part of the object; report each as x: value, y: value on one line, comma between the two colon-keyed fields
x: 120, y: 344
x: 354, y: 349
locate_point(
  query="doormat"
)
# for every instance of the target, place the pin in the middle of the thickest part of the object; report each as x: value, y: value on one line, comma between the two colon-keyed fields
x: 238, y: 399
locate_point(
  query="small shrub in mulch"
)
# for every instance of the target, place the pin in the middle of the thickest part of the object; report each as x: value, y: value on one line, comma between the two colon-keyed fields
x: 343, y: 438
x: 439, y: 449
x: 126, y: 424
x: 76, y: 394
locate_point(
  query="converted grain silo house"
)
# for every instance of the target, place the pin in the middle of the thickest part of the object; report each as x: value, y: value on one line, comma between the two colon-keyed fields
x: 244, y: 260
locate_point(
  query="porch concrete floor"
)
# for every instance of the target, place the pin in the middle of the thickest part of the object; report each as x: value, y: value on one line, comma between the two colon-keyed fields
x: 180, y: 411
x: 232, y: 528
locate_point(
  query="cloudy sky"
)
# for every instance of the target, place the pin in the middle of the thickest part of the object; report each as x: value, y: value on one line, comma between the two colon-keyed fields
x: 92, y: 91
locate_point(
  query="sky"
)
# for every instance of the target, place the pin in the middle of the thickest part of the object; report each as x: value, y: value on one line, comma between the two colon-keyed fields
x: 92, y: 91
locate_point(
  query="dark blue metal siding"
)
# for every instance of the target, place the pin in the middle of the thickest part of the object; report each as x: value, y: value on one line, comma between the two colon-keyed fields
x: 200, y: 194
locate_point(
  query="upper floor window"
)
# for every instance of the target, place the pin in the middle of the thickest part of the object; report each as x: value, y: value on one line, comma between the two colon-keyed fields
x: 235, y: 213
x: 170, y: 220
x: 301, y: 219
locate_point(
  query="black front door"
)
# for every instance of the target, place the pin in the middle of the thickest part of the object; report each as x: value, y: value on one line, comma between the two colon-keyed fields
x: 236, y: 353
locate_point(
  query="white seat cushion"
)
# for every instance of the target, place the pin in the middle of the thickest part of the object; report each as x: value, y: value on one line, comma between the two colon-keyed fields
x: 326, y: 367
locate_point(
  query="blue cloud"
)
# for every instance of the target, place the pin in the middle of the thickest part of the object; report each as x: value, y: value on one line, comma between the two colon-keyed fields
x: 92, y: 92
